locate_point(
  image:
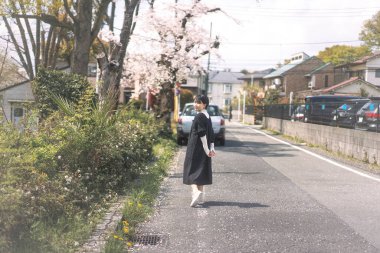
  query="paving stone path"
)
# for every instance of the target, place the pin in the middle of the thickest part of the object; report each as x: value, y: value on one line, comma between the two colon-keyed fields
x: 98, y: 239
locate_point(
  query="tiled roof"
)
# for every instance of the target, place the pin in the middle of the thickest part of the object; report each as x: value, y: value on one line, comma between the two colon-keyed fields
x: 367, y: 58
x: 344, y: 83
x: 225, y: 77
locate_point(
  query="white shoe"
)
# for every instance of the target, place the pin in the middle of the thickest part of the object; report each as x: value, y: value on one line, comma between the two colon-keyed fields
x: 195, y: 199
x: 202, y: 198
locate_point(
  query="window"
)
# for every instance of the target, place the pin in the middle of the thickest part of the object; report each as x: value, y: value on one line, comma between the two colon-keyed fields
x: 92, y: 70
x: 227, y: 101
x: 227, y: 88
x: 17, y: 113
x: 377, y: 73
x: 326, y: 81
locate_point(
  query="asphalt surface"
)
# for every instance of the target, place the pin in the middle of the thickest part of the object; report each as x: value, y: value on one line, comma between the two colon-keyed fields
x: 268, y: 196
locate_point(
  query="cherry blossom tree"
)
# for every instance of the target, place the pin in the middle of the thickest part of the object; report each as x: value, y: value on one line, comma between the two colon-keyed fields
x: 177, y: 43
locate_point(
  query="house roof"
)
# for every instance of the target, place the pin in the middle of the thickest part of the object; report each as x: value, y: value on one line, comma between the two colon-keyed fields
x: 280, y: 71
x: 318, y: 69
x: 346, y: 83
x: 11, y: 85
x: 225, y: 77
x: 257, y: 74
x: 366, y: 58
x: 360, y: 61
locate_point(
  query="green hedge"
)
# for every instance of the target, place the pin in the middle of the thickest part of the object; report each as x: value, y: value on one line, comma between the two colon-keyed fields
x: 56, y: 182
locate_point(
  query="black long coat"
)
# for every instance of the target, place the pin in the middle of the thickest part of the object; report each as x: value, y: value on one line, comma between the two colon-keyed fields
x: 197, y: 166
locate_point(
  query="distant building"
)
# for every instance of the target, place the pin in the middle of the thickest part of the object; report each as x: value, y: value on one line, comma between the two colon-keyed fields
x: 255, y: 79
x: 301, y: 73
x: 367, y: 68
x: 14, y: 99
x: 223, y: 86
x: 195, y: 83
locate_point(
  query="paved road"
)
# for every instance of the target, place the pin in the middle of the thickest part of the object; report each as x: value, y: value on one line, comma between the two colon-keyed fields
x: 268, y: 196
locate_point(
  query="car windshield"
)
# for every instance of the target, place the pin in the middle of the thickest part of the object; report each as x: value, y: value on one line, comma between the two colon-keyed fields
x: 370, y: 106
x: 190, y: 110
x: 345, y: 107
x: 212, y: 110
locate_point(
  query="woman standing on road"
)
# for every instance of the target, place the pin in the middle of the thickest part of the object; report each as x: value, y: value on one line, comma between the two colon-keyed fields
x: 200, y: 148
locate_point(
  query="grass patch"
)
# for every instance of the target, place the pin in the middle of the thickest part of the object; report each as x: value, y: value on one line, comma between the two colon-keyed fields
x: 142, y: 196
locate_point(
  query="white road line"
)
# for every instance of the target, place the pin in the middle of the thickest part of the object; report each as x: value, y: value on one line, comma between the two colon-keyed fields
x: 321, y: 157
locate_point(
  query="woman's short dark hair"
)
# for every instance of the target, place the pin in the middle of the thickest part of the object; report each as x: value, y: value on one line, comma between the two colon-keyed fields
x: 201, y: 99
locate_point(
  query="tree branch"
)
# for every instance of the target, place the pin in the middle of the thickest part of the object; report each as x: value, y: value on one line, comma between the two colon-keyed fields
x: 49, y: 19
x: 68, y: 11
x: 16, y: 45
x: 99, y: 18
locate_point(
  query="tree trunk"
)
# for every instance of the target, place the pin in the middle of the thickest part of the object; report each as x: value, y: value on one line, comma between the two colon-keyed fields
x: 166, y: 100
x: 83, y: 38
x: 112, y: 69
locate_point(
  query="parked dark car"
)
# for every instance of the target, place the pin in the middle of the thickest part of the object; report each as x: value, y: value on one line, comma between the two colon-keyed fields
x: 367, y: 118
x: 318, y: 108
x: 345, y: 115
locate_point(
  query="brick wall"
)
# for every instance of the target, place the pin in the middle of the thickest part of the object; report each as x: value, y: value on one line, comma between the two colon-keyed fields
x: 295, y: 79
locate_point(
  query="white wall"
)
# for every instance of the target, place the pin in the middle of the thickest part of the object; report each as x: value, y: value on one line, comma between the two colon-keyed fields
x: 355, y: 88
x: 217, y: 93
x: 16, y: 95
x: 370, y: 75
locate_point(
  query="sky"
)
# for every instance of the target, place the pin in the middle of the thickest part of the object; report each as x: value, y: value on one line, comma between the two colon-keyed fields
x: 259, y: 34
x: 269, y: 31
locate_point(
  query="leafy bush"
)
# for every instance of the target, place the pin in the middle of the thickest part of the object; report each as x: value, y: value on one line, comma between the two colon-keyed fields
x: 68, y: 86
x: 56, y: 181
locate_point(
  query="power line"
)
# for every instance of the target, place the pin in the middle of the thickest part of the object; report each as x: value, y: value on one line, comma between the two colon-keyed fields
x: 290, y: 43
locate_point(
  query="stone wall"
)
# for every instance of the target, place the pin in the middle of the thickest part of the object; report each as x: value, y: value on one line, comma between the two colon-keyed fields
x: 362, y: 145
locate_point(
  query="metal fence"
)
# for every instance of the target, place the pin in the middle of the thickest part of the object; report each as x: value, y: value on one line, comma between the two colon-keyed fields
x: 361, y: 114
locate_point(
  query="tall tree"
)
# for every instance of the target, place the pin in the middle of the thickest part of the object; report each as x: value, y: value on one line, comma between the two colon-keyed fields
x: 340, y: 54
x: 370, y: 33
x: 179, y: 45
x: 81, y: 18
x: 111, y: 61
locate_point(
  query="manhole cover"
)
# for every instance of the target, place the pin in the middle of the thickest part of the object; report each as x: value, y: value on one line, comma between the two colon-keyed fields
x: 149, y: 240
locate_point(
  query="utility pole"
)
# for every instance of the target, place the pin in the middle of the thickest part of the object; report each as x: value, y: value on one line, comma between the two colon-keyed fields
x: 244, y: 95
x: 208, y: 66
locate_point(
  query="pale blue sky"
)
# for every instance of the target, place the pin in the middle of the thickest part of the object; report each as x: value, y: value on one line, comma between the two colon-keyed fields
x: 272, y: 30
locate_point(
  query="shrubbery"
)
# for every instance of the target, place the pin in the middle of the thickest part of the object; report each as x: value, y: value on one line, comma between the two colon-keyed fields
x: 55, y: 181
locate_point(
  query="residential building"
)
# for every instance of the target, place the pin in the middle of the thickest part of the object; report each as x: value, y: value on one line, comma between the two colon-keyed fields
x: 256, y: 80
x: 195, y: 83
x: 301, y: 73
x: 367, y: 68
x: 223, y: 86
x: 14, y: 99
x: 354, y: 86
x: 16, y: 94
